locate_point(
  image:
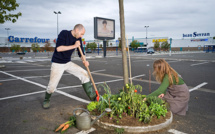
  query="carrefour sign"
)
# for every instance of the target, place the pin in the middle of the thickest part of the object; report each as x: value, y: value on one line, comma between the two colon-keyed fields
x: 27, y: 40
x: 195, y: 34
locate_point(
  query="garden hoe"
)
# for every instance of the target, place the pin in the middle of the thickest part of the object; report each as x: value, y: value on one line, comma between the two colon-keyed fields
x: 91, y: 78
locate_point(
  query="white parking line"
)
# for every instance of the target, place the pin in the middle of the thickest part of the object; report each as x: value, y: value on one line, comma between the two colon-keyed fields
x: 199, y: 63
x: 173, y: 61
x: 199, y: 86
x: 27, y: 70
x: 40, y: 85
x: 31, y: 77
x: 20, y: 62
x: 175, y: 131
x: 141, y: 60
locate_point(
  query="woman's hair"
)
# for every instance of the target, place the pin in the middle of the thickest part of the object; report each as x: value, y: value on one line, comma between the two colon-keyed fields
x: 161, y: 67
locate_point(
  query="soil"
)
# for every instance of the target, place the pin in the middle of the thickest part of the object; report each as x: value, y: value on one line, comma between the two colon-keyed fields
x: 131, y: 121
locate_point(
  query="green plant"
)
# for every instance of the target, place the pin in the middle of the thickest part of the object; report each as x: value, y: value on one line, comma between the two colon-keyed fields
x: 130, y: 102
x: 165, y: 45
x: 119, y: 130
x: 156, y: 44
x: 92, y: 106
x: 35, y: 47
x: 135, y: 44
x: 155, y: 99
x: 6, y: 7
x: 92, y: 46
x: 157, y: 109
x: 15, y: 47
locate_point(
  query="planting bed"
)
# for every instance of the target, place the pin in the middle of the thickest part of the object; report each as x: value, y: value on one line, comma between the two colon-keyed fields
x: 131, y: 111
x: 132, y: 125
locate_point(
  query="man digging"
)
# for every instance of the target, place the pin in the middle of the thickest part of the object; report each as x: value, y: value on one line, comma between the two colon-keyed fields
x: 66, y: 44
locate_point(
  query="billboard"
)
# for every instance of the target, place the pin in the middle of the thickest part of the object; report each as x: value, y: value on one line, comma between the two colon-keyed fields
x: 104, y: 28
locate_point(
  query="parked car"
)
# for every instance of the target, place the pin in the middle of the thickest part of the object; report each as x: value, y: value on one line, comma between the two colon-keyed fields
x: 140, y: 50
x: 150, y: 51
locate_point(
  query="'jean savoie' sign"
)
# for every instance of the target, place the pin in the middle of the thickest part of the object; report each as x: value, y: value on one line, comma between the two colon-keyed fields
x: 195, y: 34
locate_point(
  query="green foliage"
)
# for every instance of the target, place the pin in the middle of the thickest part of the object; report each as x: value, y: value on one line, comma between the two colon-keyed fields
x: 135, y: 44
x: 120, y: 44
x: 214, y: 37
x: 35, y: 47
x: 47, y: 46
x: 165, y: 45
x: 119, y: 130
x: 130, y: 102
x: 7, y: 6
x: 15, y: 48
x: 100, y: 46
x: 92, y: 105
x: 155, y: 99
x: 156, y: 44
x: 157, y: 109
x: 92, y: 46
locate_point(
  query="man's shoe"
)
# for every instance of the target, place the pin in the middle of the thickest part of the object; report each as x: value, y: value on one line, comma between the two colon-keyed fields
x: 88, y: 88
x: 46, y: 102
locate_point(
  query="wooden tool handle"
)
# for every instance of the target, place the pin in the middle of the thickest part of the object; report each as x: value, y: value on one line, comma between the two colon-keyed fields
x: 88, y: 70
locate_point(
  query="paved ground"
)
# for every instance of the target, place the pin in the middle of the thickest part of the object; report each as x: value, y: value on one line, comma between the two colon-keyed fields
x: 23, y: 83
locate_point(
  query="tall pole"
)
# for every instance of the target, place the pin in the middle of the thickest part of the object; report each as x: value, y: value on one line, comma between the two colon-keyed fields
x: 170, y: 42
x: 146, y: 34
x: 124, y: 55
x: 8, y: 38
x: 57, y: 20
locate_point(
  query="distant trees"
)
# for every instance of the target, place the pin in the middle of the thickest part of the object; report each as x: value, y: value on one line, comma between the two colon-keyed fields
x: 92, y: 46
x: 47, y: 47
x: 15, y: 48
x: 165, y: 45
x: 156, y: 44
x: 135, y: 44
x: 35, y: 48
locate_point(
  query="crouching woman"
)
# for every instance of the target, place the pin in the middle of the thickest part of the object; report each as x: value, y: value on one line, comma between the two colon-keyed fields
x: 172, y: 89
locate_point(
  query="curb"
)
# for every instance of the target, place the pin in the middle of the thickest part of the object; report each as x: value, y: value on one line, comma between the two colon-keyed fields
x: 136, y: 129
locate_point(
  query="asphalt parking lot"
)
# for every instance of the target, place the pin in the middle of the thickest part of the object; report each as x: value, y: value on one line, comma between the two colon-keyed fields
x: 23, y: 83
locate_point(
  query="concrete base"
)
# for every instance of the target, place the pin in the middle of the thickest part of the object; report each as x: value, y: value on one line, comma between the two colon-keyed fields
x: 136, y: 129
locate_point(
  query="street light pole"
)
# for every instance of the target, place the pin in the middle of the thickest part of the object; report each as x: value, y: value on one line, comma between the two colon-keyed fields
x: 146, y: 34
x: 57, y: 20
x: 8, y: 38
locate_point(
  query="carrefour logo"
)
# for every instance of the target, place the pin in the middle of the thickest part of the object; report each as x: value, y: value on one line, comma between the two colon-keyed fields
x: 195, y: 34
x: 27, y: 40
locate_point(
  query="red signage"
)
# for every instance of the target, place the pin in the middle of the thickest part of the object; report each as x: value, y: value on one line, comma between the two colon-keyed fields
x: 84, y: 42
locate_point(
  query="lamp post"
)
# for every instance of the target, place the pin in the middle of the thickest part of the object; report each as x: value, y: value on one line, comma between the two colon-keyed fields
x: 146, y: 34
x: 8, y: 38
x: 170, y: 42
x: 57, y: 19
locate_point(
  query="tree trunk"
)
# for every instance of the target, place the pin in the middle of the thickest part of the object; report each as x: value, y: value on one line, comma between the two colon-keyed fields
x: 124, y: 55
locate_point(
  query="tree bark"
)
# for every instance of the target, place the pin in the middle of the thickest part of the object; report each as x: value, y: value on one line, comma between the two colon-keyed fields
x: 124, y: 55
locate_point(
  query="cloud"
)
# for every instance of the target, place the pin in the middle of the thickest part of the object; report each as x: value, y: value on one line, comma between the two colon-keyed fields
x: 165, y: 18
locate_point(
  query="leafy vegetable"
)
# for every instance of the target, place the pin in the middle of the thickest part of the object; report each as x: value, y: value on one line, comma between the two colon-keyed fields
x: 92, y: 105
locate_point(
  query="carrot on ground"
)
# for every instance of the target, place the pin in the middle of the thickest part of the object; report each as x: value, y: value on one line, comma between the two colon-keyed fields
x: 65, y: 127
x: 61, y: 126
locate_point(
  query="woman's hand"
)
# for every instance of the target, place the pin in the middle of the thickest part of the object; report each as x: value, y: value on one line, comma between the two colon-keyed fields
x: 161, y: 96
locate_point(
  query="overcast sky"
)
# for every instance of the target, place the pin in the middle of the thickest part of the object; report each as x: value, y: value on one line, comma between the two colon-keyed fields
x: 165, y: 18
